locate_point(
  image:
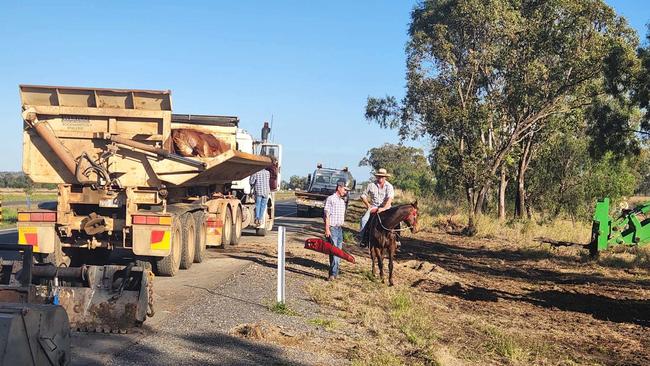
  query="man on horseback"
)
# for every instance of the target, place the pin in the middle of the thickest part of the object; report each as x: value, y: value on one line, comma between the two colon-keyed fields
x: 377, y: 198
x: 334, y: 217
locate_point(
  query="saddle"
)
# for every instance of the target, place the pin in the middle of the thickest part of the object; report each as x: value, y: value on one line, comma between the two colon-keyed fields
x: 371, y: 224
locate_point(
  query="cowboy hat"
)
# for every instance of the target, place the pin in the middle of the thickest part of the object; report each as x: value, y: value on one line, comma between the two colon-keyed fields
x: 381, y: 172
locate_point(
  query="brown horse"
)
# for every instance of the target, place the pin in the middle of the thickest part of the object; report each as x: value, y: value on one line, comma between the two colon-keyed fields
x: 383, y: 231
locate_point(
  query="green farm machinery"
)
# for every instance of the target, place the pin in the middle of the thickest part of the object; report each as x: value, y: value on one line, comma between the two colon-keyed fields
x: 631, y: 227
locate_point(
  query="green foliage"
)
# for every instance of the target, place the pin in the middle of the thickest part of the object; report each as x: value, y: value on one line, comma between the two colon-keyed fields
x: 296, y: 182
x: 328, y: 324
x: 408, y: 165
x: 565, y: 178
x: 282, y: 308
x: 485, y: 77
x: 20, y: 180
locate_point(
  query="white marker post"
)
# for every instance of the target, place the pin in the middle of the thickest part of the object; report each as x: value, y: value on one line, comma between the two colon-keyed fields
x: 281, y: 261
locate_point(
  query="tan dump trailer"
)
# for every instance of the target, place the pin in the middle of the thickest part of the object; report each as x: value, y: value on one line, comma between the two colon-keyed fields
x: 125, y: 194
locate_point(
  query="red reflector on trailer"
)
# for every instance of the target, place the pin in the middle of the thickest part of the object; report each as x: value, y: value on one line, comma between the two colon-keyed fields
x: 31, y: 238
x: 36, y: 216
x: 49, y: 216
x: 157, y: 236
x: 139, y: 219
x: 215, y: 223
x: 152, y: 220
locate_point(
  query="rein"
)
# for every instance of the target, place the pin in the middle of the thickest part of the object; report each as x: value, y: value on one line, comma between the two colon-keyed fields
x: 413, y: 212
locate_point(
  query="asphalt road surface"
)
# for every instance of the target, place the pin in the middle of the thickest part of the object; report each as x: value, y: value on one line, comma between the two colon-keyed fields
x: 171, y: 294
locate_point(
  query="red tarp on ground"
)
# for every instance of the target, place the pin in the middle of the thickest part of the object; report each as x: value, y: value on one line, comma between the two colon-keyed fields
x: 322, y: 246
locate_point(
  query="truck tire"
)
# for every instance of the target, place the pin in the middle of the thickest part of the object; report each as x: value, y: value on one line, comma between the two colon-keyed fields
x: 169, y: 265
x: 236, y: 227
x: 189, y: 240
x: 201, y: 236
x: 226, y: 230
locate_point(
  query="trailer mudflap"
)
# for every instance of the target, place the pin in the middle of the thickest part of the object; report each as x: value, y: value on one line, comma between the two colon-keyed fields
x: 41, y: 236
x: 152, y: 240
x: 214, y: 227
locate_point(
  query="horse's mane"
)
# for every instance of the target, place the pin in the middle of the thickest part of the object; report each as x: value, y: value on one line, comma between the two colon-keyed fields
x: 394, y: 209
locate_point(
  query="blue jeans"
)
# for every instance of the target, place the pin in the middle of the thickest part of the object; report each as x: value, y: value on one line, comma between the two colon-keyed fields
x: 260, y: 206
x: 337, y: 241
x: 364, y: 221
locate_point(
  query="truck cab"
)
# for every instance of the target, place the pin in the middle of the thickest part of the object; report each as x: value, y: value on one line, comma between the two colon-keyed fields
x: 242, y: 188
x: 320, y: 184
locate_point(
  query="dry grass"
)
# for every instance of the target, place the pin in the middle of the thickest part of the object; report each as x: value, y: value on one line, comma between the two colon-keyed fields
x: 501, y: 298
x: 400, y: 325
x: 446, y: 216
x: 327, y: 324
x: 626, y: 257
x: 284, y: 195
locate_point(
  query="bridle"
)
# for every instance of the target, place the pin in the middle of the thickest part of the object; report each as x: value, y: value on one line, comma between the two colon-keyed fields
x: 412, y: 214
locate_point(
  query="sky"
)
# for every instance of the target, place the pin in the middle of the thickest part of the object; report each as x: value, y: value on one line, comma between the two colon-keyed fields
x: 308, y: 66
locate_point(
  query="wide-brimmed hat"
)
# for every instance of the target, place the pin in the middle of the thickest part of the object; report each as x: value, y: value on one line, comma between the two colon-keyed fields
x: 381, y: 172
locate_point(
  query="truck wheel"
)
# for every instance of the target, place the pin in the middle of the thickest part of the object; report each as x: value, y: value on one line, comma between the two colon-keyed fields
x: 169, y: 265
x: 236, y: 227
x: 226, y: 230
x: 189, y: 240
x: 201, y: 236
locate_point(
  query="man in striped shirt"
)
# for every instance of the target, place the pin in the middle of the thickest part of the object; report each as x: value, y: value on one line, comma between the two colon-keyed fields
x: 377, y: 198
x: 334, y: 217
x: 260, y: 184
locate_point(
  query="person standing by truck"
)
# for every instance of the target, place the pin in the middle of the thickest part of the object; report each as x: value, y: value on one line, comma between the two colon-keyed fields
x: 273, y: 173
x: 381, y: 194
x: 334, y: 217
x: 260, y: 184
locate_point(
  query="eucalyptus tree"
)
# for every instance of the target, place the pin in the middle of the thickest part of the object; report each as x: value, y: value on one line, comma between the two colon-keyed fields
x: 485, y: 76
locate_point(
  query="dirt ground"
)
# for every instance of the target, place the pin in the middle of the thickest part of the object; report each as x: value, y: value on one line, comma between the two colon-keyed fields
x: 459, y: 300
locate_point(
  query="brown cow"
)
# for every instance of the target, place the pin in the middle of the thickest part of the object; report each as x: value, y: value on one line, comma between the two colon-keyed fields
x: 195, y: 143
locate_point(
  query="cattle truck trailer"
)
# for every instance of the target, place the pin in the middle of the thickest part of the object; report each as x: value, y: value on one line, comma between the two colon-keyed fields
x: 122, y: 188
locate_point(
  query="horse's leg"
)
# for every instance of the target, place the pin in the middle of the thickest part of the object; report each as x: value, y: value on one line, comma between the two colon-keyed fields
x: 391, y: 255
x: 372, y: 257
x: 380, y: 262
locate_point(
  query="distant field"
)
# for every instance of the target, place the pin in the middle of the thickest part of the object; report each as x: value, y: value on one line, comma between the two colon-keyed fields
x: 18, y: 196
x: 284, y: 195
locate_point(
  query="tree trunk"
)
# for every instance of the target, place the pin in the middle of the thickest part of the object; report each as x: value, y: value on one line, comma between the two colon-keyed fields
x: 503, y: 183
x: 470, y: 230
x: 480, y: 200
x: 520, y: 198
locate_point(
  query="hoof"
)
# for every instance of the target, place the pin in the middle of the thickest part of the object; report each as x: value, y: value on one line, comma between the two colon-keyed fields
x: 391, y: 284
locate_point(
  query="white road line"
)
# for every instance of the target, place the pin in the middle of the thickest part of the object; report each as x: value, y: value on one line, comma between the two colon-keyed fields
x: 8, y: 230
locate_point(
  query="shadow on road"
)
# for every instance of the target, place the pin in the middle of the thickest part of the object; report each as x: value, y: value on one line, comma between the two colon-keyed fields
x: 206, y: 348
